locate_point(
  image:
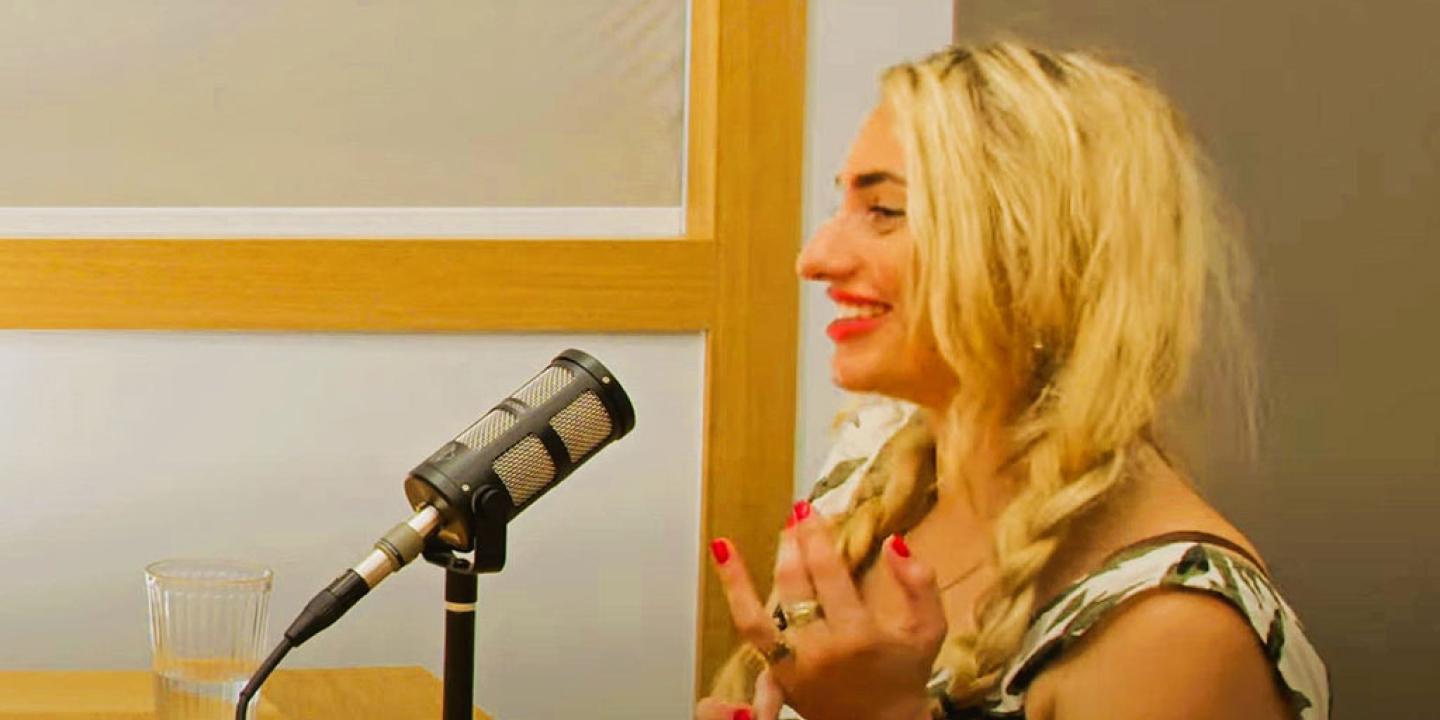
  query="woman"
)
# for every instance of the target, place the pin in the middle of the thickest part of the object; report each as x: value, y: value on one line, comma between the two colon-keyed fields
x: 1023, y: 260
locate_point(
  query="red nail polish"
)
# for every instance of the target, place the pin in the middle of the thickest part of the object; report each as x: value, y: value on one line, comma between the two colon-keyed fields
x: 743, y: 714
x: 721, y: 550
x: 801, y: 511
x: 790, y: 521
x: 898, y: 544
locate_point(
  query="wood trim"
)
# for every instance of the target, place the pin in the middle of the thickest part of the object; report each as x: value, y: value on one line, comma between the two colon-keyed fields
x: 700, y: 154
x: 750, y: 414
x: 373, y: 285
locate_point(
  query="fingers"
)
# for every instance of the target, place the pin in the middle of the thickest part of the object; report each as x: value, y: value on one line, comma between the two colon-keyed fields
x: 828, y: 572
x: 768, y: 697
x: 712, y: 709
x: 792, y: 579
x: 746, y: 610
x: 924, y: 614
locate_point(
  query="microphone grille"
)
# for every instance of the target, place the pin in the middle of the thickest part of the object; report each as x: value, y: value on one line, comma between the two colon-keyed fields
x: 582, y: 425
x: 486, y: 429
x: 525, y: 469
x: 542, y: 387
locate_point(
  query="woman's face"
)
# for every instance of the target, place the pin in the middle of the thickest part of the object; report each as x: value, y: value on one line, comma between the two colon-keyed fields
x: 863, y: 253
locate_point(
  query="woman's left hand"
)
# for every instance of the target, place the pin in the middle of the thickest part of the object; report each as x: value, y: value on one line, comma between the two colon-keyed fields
x: 849, y: 660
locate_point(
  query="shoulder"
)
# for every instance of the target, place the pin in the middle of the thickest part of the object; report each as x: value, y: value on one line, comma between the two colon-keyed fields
x: 1167, y: 652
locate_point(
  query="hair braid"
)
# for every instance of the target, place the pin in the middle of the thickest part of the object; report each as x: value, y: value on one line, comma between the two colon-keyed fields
x: 1027, y: 535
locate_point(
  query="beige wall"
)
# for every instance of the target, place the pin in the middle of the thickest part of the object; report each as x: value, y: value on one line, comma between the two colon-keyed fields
x: 337, y: 103
x: 1324, y: 119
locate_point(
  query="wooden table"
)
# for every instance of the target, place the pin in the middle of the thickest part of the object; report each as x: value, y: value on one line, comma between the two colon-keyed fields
x: 378, y: 693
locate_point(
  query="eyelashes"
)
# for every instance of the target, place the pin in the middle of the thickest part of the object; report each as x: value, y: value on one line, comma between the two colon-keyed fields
x: 881, y: 218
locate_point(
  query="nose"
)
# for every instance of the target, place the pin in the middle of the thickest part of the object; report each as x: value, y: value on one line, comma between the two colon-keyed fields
x: 826, y: 257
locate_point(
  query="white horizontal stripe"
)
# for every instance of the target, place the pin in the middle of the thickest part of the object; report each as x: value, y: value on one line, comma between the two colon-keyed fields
x: 399, y: 222
x: 459, y: 607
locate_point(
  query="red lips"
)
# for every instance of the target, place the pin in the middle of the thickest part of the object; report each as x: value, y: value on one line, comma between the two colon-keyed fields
x: 845, y: 328
x: 840, y: 296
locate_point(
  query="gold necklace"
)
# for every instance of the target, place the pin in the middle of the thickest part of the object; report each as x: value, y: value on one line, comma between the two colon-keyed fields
x: 962, y: 577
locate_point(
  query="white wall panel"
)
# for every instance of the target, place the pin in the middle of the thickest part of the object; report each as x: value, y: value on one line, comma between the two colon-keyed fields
x: 121, y: 448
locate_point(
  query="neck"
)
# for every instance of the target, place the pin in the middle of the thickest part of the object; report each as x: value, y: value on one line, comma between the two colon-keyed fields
x: 969, y: 472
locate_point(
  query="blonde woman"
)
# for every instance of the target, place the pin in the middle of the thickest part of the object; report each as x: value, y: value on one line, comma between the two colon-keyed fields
x: 1023, y: 260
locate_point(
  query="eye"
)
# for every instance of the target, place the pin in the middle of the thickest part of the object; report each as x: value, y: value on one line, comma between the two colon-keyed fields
x: 883, y: 214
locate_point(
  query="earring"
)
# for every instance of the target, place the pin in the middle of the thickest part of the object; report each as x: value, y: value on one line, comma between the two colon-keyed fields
x: 1045, y: 365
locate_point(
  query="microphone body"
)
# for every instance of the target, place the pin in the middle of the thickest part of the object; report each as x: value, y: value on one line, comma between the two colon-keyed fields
x: 469, y: 489
x: 521, y: 448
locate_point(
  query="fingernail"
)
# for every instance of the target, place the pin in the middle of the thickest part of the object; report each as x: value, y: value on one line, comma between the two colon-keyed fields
x: 801, y: 511
x: 790, y: 521
x: 897, y: 544
x: 721, y: 550
x: 743, y: 714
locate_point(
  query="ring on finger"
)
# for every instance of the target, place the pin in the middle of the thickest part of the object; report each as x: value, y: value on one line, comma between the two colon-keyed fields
x: 797, y: 614
x: 777, y: 652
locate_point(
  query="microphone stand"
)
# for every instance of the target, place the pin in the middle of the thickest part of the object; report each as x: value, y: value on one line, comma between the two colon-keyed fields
x: 459, y: 680
x: 458, y: 671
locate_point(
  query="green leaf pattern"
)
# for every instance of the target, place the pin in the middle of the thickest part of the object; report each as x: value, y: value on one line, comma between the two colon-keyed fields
x: 858, y: 441
x: 1190, y: 565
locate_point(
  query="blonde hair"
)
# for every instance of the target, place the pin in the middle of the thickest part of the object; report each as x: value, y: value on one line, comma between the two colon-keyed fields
x: 1066, y: 242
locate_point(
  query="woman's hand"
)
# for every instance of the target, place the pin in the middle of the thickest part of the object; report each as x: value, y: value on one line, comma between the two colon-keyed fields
x: 767, y: 703
x: 849, y: 660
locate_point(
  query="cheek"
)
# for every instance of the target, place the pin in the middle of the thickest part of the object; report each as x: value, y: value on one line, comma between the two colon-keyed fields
x: 892, y: 270
x: 891, y: 261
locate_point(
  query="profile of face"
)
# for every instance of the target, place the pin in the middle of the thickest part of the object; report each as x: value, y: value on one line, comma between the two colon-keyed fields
x: 864, y: 255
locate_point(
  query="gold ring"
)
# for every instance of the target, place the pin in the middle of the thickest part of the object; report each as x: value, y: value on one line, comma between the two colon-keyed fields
x: 797, y: 614
x: 777, y: 652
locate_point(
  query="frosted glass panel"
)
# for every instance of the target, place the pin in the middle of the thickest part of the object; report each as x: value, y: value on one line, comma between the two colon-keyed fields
x: 342, y: 103
x: 120, y: 448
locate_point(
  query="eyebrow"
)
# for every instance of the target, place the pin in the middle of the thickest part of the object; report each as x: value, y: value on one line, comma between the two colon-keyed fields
x: 870, y: 179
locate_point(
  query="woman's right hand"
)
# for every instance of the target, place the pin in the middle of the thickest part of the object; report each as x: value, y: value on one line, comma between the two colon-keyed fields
x: 765, y: 706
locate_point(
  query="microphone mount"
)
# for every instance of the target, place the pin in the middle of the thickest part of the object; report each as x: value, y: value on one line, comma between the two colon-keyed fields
x: 487, y: 532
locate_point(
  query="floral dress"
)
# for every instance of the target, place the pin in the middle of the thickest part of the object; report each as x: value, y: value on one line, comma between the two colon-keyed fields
x: 1193, y: 562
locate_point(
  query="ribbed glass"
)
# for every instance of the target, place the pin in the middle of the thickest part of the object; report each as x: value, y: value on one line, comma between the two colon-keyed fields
x: 208, y: 622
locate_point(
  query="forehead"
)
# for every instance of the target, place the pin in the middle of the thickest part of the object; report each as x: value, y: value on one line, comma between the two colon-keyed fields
x: 875, y: 148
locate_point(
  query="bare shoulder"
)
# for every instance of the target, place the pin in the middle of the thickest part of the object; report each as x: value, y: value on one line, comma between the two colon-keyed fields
x: 1166, y: 653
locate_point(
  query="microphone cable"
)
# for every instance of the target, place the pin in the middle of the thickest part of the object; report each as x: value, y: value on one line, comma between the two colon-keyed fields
x: 261, y: 673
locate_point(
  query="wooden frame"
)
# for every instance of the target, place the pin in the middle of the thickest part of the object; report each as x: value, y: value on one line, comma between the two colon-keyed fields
x: 730, y: 276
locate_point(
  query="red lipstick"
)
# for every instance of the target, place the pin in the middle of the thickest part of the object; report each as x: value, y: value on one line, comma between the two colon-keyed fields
x: 842, y: 330
x: 845, y: 328
x: 840, y: 296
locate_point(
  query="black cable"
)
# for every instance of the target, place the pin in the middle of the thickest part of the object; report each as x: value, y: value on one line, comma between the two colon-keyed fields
x: 261, y: 673
x: 321, y: 612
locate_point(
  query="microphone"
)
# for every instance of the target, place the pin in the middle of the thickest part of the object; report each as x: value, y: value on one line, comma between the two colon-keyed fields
x: 466, y: 492
x: 496, y: 468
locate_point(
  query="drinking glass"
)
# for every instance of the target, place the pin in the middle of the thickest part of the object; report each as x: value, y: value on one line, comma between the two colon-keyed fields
x: 208, y: 621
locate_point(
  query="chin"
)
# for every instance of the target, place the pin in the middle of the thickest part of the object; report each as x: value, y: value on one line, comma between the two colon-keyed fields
x: 853, y: 376
x: 860, y: 375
